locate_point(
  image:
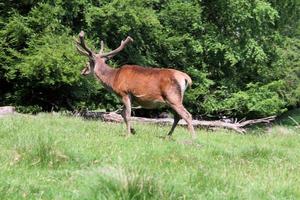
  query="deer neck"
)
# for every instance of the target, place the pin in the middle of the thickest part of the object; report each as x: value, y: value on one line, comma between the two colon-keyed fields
x: 105, y: 74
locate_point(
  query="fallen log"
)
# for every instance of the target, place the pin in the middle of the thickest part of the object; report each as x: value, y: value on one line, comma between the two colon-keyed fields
x: 7, y: 110
x: 236, y: 126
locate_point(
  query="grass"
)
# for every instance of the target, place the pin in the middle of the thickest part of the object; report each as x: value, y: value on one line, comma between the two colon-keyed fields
x: 57, y: 157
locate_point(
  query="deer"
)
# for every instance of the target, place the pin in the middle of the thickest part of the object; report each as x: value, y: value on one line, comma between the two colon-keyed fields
x: 147, y: 87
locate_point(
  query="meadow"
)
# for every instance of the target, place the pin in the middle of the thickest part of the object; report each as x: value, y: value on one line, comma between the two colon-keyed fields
x: 51, y: 156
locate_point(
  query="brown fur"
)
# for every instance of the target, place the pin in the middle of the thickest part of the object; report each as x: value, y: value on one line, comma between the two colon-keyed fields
x: 145, y: 84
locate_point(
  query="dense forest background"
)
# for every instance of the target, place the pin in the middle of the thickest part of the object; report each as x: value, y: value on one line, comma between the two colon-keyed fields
x: 243, y: 55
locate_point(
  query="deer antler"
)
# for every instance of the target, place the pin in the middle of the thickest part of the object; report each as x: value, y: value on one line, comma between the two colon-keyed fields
x: 81, y: 46
x: 102, y: 47
x: 117, y: 50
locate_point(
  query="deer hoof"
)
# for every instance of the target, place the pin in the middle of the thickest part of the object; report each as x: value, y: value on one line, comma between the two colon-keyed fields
x: 132, y: 131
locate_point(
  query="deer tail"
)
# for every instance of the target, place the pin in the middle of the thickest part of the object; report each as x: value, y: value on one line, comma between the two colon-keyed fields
x: 188, y: 80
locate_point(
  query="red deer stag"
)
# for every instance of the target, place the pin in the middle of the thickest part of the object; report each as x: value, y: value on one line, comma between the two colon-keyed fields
x: 147, y: 87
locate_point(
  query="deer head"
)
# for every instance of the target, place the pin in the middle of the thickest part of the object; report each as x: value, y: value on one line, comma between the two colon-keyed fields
x: 97, y: 58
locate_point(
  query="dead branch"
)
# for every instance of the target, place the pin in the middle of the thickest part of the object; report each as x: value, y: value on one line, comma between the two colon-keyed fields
x: 296, y: 123
x: 237, y: 126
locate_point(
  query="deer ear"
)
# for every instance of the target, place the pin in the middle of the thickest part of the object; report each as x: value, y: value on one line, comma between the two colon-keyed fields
x: 83, y: 72
x: 107, y: 58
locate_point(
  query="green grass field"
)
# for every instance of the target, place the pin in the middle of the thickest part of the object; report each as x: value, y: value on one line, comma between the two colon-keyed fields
x: 58, y: 157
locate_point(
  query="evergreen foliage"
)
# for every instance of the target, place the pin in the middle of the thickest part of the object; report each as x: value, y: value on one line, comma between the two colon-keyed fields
x: 243, y: 56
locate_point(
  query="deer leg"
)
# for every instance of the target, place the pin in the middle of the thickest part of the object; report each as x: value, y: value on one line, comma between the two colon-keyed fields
x: 176, y: 120
x: 184, y: 114
x: 126, y: 113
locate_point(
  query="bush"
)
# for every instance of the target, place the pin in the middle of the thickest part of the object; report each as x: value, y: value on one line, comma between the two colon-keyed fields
x: 241, y: 57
